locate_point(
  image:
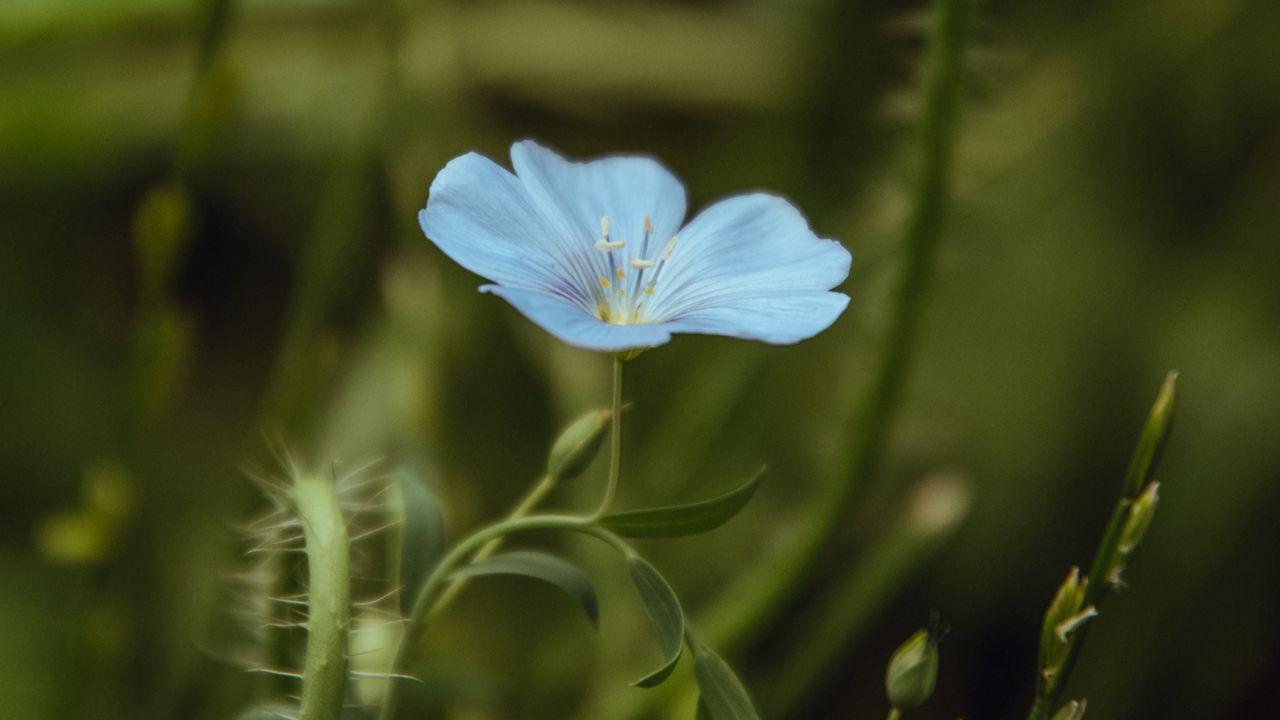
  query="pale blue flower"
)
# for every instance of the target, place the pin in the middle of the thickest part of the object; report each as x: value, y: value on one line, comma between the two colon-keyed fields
x: 595, y: 252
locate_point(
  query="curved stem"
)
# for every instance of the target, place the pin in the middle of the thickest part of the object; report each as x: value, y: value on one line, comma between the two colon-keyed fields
x: 522, y: 508
x: 894, y: 714
x: 429, y: 597
x: 615, y: 442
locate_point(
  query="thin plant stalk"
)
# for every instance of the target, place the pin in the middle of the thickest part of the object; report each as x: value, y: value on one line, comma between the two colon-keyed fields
x: 435, y: 594
x: 748, y: 608
x: 1146, y: 457
x: 615, y: 442
x: 431, y: 593
x: 536, y: 494
x: 738, y: 622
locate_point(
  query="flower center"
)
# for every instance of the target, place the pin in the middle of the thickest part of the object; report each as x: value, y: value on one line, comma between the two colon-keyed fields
x: 625, y: 288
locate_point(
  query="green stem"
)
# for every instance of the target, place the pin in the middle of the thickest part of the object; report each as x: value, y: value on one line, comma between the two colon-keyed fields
x: 894, y: 714
x: 523, y: 508
x: 201, y: 116
x: 747, y: 609
x: 1049, y: 693
x: 435, y: 594
x: 213, y: 31
x: 742, y: 620
x: 324, y: 677
x: 1142, y: 465
x: 615, y: 442
x: 428, y: 598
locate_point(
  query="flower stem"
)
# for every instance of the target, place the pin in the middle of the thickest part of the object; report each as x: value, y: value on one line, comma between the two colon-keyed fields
x: 615, y: 442
x: 748, y: 608
x: 531, y: 499
x: 894, y: 714
x: 430, y: 596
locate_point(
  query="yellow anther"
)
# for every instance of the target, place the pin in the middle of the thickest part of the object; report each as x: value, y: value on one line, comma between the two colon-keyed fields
x: 621, y: 274
x: 648, y: 224
x: 604, y: 226
x: 604, y: 282
x: 605, y: 246
x: 622, y: 293
x: 641, y: 263
x: 648, y: 290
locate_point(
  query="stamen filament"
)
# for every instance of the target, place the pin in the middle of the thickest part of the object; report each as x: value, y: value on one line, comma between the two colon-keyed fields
x: 612, y: 303
x: 670, y: 248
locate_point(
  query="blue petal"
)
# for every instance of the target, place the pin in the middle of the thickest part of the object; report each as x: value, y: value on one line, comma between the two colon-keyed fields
x: 782, y: 318
x: 483, y: 218
x: 624, y: 187
x: 576, y: 326
x: 746, y: 246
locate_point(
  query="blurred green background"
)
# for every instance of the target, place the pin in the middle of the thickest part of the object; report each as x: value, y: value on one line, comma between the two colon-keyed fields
x: 208, y: 241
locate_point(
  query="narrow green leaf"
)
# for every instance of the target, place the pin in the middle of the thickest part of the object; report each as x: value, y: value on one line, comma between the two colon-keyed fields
x: 423, y: 536
x: 722, y: 692
x: 680, y: 520
x: 540, y: 566
x: 663, y: 607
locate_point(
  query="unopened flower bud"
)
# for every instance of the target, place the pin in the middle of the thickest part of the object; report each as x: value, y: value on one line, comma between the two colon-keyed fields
x: 577, y: 446
x: 1072, y: 710
x: 913, y: 669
